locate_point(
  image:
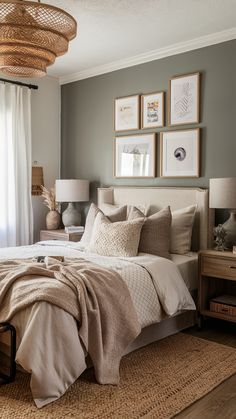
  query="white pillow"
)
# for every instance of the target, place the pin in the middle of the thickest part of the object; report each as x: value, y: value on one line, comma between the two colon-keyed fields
x: 108, y: 208
x: 143, y: 209
x: 181, y: 229
x: 120, y: 239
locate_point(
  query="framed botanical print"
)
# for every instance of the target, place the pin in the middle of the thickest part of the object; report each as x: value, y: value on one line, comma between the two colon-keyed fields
x: 184, y: 99
x: 127, y: 113
x: 180, y: 153
x: 134, y: 156
x: 152, y: 110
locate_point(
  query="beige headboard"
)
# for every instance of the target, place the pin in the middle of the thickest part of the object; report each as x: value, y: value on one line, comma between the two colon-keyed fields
x: 156, y: 198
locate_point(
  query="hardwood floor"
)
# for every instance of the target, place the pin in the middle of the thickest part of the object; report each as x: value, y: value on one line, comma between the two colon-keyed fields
x: 221, y: 402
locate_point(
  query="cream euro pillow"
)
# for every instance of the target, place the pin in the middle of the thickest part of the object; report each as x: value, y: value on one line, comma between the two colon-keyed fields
x: 135, y: 212
x: 181, y: 229
x: 119, y: 239
x: 108, y: 208
x: 118, y: 214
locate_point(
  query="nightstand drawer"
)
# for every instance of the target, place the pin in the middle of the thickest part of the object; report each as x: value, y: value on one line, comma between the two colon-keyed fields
x: 45, y: 235
x: 218, y: 267
x: 60, y: 235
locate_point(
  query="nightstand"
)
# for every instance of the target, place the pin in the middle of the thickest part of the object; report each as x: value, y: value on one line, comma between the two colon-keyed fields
x: 60, y: 235
x: 217, y: 285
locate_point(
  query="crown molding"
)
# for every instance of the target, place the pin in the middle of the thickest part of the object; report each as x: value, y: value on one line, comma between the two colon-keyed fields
x: 174, y: 49
x: 51, y: 76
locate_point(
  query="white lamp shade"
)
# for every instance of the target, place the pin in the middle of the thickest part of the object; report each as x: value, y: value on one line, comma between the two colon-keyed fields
x: 72, y: 190
x: 223, y: 193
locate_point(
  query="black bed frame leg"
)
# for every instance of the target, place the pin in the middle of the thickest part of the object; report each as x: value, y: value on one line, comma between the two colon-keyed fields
x: 7, y: 327
x: 200, y: 322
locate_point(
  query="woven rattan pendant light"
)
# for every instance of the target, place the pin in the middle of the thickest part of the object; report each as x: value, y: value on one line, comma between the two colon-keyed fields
x: 32, y: 35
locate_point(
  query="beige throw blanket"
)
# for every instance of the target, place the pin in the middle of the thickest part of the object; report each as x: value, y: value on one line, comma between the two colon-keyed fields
x: 96, y: 297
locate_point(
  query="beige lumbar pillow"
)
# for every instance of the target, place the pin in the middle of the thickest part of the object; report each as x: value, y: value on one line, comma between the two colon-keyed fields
x: 155, y: 234
x: 119, y: 239
x: 118, y: 214
x: 181, y: 229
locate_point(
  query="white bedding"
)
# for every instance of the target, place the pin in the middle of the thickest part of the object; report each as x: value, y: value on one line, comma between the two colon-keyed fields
x: 188, y: 266
x: 48, y: 345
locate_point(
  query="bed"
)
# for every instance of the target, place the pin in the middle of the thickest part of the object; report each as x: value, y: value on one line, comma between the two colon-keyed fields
x: 39, y: 347
x: 154, y: 199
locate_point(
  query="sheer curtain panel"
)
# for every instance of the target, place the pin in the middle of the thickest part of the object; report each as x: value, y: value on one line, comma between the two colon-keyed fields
x: 16, y: 215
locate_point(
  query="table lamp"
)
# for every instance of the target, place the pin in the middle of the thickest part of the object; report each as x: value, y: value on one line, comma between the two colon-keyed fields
x: 223, y: 195
x: 71, y: 191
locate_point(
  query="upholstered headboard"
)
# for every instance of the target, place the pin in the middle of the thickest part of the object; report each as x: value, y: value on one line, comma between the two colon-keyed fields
x: 156, y: 198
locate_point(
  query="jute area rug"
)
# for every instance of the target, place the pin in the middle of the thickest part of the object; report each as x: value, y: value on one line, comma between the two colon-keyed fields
x: 157, y: 381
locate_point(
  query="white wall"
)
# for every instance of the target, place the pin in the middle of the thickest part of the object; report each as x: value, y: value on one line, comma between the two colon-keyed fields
x: 46, y: 110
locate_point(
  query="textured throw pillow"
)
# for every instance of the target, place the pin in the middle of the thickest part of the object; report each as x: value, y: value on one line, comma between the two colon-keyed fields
x: 118, y: 214
x: 155, y: 234
x: 119, y: 239
x: 181, y: 229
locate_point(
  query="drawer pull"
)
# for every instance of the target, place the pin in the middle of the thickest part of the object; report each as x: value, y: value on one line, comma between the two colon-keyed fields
x: 232, y: 267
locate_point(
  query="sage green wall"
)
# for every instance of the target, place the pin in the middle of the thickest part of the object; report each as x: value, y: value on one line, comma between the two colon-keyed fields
x: 87, y: 116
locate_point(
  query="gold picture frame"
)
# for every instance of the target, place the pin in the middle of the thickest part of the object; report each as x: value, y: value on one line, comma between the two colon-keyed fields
x: 184, y: 99
x: 127, y: 149
x: 175, y: 158
x: 127, y: 113
x: 152, y: 110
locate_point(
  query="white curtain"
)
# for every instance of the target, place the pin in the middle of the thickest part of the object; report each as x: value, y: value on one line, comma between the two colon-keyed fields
x: 16, y: 215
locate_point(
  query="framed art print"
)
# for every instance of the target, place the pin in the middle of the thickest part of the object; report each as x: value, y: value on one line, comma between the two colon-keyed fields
x: 152, y: 112
x: 134, y: 156
x: 180, y: 153
x: 184, y: 99
x: 127, y: 113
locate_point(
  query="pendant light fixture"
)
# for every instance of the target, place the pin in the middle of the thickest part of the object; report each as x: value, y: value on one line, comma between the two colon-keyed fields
x: 32, y: 35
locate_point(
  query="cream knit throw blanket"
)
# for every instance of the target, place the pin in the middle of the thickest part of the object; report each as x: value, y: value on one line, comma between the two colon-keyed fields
x: 96, y: 297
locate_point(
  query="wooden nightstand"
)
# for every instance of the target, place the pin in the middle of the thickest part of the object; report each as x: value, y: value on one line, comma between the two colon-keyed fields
x: 217, y: 278
x: 60, y: 235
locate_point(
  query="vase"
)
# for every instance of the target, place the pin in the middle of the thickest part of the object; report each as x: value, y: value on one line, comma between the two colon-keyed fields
x: 53, y: 220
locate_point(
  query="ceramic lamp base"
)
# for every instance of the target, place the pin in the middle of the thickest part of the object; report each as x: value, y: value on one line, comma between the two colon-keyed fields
x: 230, y: 228
x: 71, y: 216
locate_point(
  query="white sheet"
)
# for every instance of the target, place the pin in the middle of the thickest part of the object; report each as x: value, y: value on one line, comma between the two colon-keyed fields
x: 188, y: 266
x: 43, y: 329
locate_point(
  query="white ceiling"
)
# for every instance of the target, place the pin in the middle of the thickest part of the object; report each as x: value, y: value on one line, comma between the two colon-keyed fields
x: 114, y: 30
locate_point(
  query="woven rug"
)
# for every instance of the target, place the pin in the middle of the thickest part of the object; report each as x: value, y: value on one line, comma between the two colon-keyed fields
x: 157, y: 381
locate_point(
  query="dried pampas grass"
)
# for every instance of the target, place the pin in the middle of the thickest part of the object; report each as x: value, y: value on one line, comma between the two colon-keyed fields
x: 49, y: 198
